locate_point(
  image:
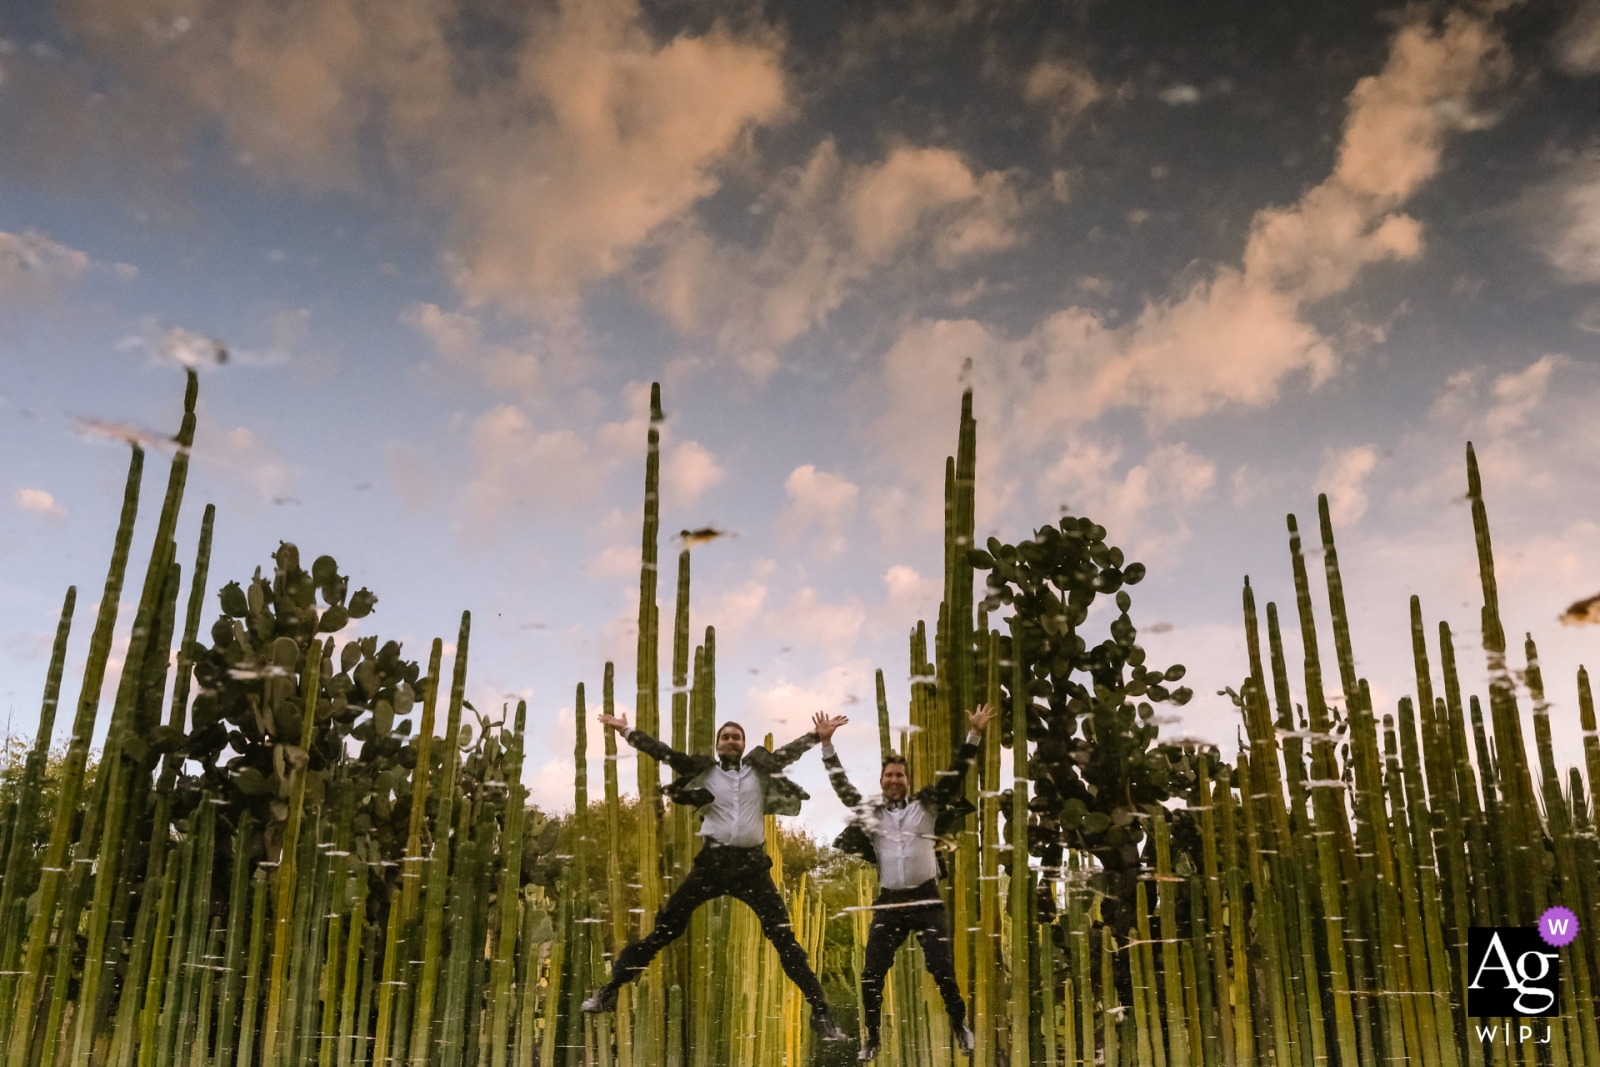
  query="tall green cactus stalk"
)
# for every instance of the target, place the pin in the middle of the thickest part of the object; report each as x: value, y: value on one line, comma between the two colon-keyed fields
x: 1523, y: 872
x: 116, y: 767
x: 1172, y: 973
x: 17, y: 858
x: 1570, y: 890
x: 1328, y: 811
x: 72, y: 774
x: 275, y: 1051
x: 438, y: 879
x: 1473, y: 811
x: 649, y: 1034
x: 616, y: 902
x: 1377, y: 906
x: 1419, y: 891
x: 1018, y: 891
x: 986, y: 997
x: 509, y: 899
x: 583, y: 930
x: 680, y: 955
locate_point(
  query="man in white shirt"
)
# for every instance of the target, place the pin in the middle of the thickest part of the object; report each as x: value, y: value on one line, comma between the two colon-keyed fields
x: 733, y: 792
x: 897, y: 831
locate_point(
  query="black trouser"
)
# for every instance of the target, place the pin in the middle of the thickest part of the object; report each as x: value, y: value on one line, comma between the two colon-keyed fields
x: 899, y: 917
x: 718, y: 871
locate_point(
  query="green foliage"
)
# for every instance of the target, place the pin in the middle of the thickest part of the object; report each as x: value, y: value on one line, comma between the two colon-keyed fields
x: 246, y: 716
x: 1098, y: 771
x: 13, y: 757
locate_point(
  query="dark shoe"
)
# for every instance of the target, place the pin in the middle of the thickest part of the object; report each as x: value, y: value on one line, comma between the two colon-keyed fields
x: 869, y: 1051
x: 823, y: 1026
x: 964, y: 1039
x: 601, y: 1000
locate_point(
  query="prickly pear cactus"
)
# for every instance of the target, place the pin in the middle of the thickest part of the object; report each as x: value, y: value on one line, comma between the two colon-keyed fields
x: 245, y: 730
x: 1098, y: 772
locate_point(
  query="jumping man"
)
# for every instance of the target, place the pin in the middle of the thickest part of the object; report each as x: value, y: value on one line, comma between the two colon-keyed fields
x: 897, y: 833
x: 733, y: 791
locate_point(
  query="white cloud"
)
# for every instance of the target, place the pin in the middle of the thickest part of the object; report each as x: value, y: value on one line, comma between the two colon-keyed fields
x: 1064, y: 89
x: 1180, y: 94
x: 615, y: 561
x: 688, y: 471
x: 731, y: 610
x: 519, y: 466
x: 909, y: 596
x: 1563, y: 218
x: 820, y: 503
x: 552, y: 166
x: 190, y: 349
x: 1517, y: 394
x: 810, y: 622
x: 458, y: 339
x: 834, y: 226
x: 40, y: 503
x: 1343, y: 478
x: 33, y: 266
x: 1577, y: 44
x: 1236, y: 334
x: 1142, y: 509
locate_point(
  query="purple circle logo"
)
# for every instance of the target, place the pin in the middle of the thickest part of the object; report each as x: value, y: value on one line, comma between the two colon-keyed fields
x: 1558, y: 926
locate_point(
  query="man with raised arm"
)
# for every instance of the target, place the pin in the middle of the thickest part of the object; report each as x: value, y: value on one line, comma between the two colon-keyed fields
x: 896, y: 831
x: 733, y: 791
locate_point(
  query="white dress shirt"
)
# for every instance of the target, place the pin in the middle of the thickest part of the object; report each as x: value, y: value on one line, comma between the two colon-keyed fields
x: 903, y: 840
x: 735, y: 815
x: 902, y: 836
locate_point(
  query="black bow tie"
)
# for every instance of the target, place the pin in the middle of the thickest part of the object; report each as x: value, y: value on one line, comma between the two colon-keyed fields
x: 729, y: 763
x: 895, y: 805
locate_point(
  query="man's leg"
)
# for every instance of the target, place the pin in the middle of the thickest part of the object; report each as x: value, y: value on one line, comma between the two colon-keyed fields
x: 705, y: 882
x: 756, y: 889
x: 884, y: 937
x: 933, y: 931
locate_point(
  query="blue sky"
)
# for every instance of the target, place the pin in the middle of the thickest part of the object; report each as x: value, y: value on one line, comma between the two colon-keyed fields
x: 1197, y: 265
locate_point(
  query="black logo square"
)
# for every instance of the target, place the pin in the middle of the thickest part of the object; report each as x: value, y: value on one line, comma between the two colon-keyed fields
x: 1511, y: 971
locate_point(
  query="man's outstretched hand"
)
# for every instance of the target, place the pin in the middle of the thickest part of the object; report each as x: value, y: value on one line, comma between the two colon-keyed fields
x: 980, y: 718
x: 825, y: 724
x: 616, y: 722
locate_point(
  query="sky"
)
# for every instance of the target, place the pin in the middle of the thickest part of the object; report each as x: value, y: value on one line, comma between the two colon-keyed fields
x: 1198, y: 263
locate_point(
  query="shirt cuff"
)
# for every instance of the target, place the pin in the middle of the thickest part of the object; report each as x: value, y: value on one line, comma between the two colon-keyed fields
x: 974, y: 738
x: 827, y: 749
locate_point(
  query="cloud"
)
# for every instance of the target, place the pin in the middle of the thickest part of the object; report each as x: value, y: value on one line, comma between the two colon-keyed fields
x: 1342, y: 478
x: 415, y: 477
x: 253, y: 471
x: 1576, y: 46
x: 808, y: 621
x: 909, y: 596
x: 1234, y: 335
x: 1064, y: 89
x: 820, y: 502
x: 520, y: 466
x: 33, y: 266
x: 458, y: 340
x: 1563, y: 219
x: 687, y: 471
x: 552, y: 151
x: 40, y: 503
x: 835, y: 225
x: 1516, y: 395
x: 1179, y: 95
x: 1143, y: 509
